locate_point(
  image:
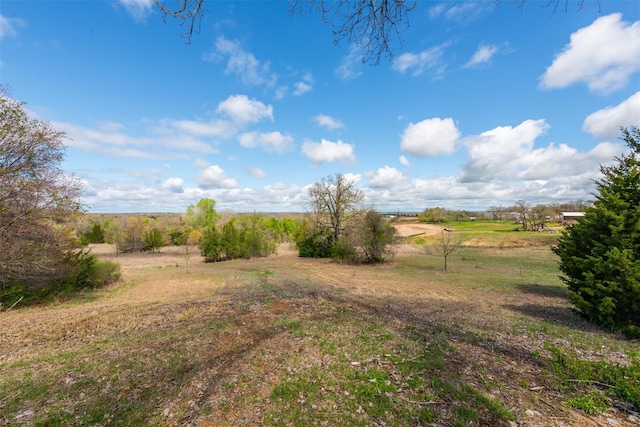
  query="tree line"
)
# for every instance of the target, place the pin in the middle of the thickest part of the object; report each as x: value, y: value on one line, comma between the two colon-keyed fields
x: 336, y: 226
x: 530, y: 217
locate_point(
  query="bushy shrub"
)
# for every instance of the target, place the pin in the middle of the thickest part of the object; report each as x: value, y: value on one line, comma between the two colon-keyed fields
x: 344, y: 250
x: 244, y: 237
x: 153, y: 240
x: 88, y: 271
x: 211, y: 244
x: 83, y: 271
x: 104, y: 273
x: 368, y: 239
x: 93, y: 235
x: 375, y: 238
x: 315, y: 243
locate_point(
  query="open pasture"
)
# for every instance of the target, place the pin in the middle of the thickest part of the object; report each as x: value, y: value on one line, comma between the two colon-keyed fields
x: 288, y: 341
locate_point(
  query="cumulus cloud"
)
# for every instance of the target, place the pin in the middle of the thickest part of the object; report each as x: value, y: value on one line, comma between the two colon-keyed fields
x: 495, y: 153
x: 242, y: 63
x: 267, y: 141
x: 430, y: 137
x: 606, y: 123
x: 404, y: 161
x: 214, y: 177
x: 328, y: 151
x: 256, y: 172
x: 386, y: 177
x: 351, y: 64
x: 239, y: 112
x: 328, y: 122
x: 174, y: 185
x: 508, y: 155
x: 138, y: 9
x: 603, y: 56
x: 243, y: 110
x: 8, y: 26
x: 427, y: 61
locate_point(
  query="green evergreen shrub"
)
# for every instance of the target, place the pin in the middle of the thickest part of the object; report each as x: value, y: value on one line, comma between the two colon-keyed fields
x: 600, y: 255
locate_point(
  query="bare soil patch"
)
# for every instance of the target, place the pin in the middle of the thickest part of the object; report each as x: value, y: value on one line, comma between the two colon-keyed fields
x: 407, y: 229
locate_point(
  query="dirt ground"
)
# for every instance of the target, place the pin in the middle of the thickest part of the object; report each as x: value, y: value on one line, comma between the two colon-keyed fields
x: 416, y: 229
x: 504, y: 352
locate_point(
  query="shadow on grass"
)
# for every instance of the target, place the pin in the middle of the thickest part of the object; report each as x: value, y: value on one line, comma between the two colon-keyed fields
x: 543, y: 290
x: 561, y: 315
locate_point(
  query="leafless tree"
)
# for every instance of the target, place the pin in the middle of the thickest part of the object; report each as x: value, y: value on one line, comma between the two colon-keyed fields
x: 336, y: 202
x: 555, y: 5
x: 375, y: 26
x: 37, y: 199
x: 522, y: 209
x: 495, y: 212
x: 539, y: 214
x: 448, y: 243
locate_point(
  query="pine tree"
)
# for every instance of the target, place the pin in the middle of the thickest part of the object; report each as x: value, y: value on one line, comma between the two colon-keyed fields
x: 600, y: 256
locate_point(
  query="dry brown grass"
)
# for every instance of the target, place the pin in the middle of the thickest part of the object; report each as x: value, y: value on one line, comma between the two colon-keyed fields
x: 210, y: 346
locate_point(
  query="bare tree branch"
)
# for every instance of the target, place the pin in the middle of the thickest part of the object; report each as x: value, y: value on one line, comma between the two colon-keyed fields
x: 375, y: 26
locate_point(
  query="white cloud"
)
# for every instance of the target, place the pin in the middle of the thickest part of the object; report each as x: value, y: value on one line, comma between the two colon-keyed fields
x: 8, y: 26
x: 169, y: 140
x: 267, y: 141
x: 328, y: 122
x: 214, y: 177
x: 606, y: 123
x: 243, y: 110
x: 430, y: 137
x: 603, y: 56
x: 485, y: 53
x: 242, y: 63
x: 281, y: 92
x: 213, y: 128
x: 461, y: 12
x: 506, y: 156
x: 495, y: 154
x: 429, y: 60
x: 138, y: 9
x: 256, y: 172
x: 386, y: 177
x: 201, y: 163
x: 174, y: 185
x: 303, y: 86
x: 404, y: 161
x: 350, y: 65
x: 328, y: 151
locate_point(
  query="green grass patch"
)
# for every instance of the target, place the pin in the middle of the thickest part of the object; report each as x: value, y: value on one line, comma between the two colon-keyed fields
x: 585, y: 379
x: 375, y: 374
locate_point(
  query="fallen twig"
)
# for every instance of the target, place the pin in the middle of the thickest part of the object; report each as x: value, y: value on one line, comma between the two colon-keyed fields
x: 15, y: 303
x: 591, y: 382
x: 423, y: 402
x: 553, y: 406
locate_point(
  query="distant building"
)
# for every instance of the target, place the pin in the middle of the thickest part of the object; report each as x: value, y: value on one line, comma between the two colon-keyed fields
x: 570, y: 217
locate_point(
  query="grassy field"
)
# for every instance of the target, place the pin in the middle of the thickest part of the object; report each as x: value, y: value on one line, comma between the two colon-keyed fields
x: 285, y: 341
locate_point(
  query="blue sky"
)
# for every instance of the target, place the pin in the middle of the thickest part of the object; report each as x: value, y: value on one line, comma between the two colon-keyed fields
x: 484, y: 104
